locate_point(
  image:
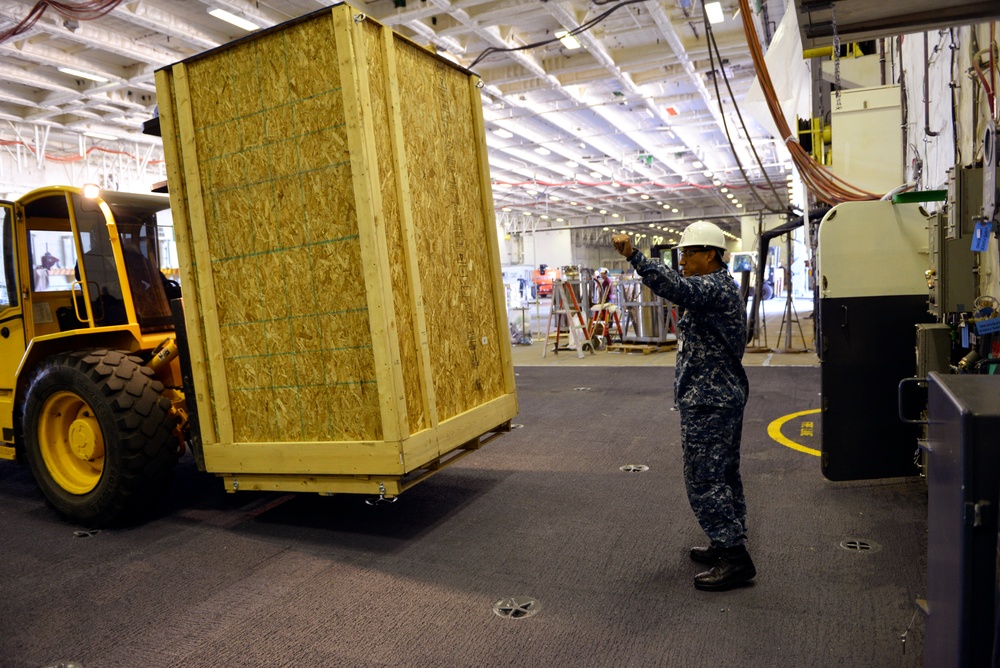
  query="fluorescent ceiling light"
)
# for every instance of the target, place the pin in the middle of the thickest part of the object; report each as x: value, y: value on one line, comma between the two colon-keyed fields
x: 82, y: 75
x: 503, y: 134
x: 568, y: 40
x: 596, y: 175
x: 100, y: 135
x: 714, y: 12
x: 541, y: 150
x: 237, y: 21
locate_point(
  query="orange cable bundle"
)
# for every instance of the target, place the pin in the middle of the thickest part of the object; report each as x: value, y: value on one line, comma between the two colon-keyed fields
x: 826, y: 186
x: 85, y: 11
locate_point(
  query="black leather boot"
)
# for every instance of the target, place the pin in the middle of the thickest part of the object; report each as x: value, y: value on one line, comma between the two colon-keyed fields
x: 705, y: 555
x: 733, y: 568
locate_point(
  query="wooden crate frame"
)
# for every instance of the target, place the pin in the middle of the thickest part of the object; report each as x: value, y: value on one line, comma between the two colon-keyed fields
x: 435, y: 396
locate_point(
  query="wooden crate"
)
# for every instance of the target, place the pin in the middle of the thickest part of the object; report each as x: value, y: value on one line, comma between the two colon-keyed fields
x: 342, y: 285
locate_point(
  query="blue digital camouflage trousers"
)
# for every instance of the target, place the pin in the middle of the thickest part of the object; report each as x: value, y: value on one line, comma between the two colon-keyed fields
x: 711, y: 438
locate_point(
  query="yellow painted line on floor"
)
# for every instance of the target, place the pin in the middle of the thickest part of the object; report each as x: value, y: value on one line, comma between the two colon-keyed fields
x: 774, y: 431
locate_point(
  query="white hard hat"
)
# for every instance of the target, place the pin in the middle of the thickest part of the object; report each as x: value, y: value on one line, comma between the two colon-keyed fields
x: 703, y: 233
x: 602, y: 270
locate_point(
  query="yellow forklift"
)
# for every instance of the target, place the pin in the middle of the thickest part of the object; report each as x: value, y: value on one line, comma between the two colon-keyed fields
x: 90, y: 379
x: 97, y: 383
x: 310, y: 354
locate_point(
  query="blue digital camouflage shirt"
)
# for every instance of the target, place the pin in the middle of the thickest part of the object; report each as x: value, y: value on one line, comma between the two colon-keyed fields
x: 712, y: 334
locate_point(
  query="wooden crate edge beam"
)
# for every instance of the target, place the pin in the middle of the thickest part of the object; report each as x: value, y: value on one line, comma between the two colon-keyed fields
x: 219, y: 412
x: 371, y: 225
x: 415, y: 293
x: 489, y: 222
x: 451, y: 434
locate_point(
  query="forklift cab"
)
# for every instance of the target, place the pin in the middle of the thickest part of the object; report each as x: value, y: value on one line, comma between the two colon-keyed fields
x: 84, y: 263
x: 73, y: 265
x: 89, y: 373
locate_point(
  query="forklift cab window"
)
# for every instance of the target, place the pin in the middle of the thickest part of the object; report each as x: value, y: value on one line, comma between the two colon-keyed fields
x: 8, y: 290
x: 99, y: 268
x: 51, y: 253
x: 140, y: 246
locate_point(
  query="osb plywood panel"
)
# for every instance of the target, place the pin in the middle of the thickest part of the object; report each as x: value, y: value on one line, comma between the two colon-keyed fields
x: 391, y: 210
x: 441, y: 144
x: 282, y: 228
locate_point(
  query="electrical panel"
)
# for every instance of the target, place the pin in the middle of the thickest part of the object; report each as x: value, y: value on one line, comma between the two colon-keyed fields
x: 951, y: 278
x: 933, y: 348
x: 965, y: 200
x: 962, y: 490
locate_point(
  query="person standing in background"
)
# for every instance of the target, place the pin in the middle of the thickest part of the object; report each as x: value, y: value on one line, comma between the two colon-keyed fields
x: 603, y: 287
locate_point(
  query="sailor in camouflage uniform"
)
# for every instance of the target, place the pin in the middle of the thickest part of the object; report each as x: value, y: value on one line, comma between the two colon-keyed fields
x: 710, y: 389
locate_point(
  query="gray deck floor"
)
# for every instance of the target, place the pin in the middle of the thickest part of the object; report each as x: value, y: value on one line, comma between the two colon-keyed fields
x: 257, y: 579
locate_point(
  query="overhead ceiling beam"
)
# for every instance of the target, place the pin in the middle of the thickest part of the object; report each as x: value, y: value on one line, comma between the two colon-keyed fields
x: 427, y: 33
x: 40, y: 54
x: 253, y: 11
x: 34, y: 79
x: 96, y: 37
x: 165, y: 23
x: 492, y: 36
x: 564, y: 13
x: 13, y: 98
x: 673, y: 40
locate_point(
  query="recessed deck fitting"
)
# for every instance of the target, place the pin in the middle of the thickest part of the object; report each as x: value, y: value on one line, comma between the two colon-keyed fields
x: 516, y: 607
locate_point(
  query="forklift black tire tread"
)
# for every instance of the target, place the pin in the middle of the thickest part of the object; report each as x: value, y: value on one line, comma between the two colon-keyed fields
x: 139, y: 446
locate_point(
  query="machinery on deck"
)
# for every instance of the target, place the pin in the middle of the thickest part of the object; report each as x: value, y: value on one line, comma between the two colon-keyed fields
x: 308, y: 353
x: 90, y: 379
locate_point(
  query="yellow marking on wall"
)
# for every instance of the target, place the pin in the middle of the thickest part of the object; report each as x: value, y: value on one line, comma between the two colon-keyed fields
x: 774, y: 431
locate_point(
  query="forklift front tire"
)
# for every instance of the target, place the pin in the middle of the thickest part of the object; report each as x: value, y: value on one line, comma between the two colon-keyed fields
x: 98, y: 435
